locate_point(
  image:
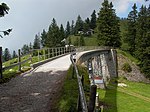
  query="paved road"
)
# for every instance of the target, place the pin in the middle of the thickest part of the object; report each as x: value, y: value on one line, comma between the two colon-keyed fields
x: 36, y: 91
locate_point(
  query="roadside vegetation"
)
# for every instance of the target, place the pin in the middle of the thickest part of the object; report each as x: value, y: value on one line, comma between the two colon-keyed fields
x: 13, y: 72
x: 132, y: 98
x: 8, y: 74
x: 69, y: 97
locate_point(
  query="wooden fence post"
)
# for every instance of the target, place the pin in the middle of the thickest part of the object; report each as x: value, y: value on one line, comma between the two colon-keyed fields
x: 1, y: 70
x: 82, y: 80
x: 44, y: 54
x: 64, y: 50
x: 56, y: 51
x: 31, y: 56
x: 38, y: 55
x: 52, y: 52
x: 73, y: 72
x: 91, y: 106
x: 48, y: 56
x: 19, y: 60
x: 79, y: 108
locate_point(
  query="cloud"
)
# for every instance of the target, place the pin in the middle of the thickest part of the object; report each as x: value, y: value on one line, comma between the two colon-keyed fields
x: 28, y: 17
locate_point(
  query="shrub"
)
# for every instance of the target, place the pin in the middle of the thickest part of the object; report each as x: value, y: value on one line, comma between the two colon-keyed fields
x: 126, y: 67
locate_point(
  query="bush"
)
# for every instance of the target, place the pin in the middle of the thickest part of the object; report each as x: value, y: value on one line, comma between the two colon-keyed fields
x: 126, y: 67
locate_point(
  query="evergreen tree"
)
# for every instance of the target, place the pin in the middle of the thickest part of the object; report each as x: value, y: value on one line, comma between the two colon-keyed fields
x: 78, y: 25
x: 72, y: 29
x: 14, y: 55
x: 131, y: 33
x: 36, y: 44
x: 6, y: 55
x: 69, y: 41
x: 53, y: 38
x: 86, y: 25
x: 82, y: 42
x: 30, y: 46
x: 62, y: 34
x: 4, y: 10
x: 68, y: 29
x: 43, y: 38
x: 93, y: 20
x: 108, y: 26
x: 25, y: 49
x: 143, y: 40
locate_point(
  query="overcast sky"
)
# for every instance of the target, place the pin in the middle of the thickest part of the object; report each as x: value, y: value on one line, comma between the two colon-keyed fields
x: 28, y: 17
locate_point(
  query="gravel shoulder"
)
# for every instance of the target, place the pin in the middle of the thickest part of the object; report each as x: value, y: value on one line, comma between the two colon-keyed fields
x: 36, y: 91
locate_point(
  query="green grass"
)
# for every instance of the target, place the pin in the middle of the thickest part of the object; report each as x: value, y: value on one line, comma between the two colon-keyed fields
x: 8, y: 74
x: 89, y: 41
x: 139, y: 88
x: 118, y: 99
x: 129, y: 56
x: 68, y: 100
x: 69, y: 97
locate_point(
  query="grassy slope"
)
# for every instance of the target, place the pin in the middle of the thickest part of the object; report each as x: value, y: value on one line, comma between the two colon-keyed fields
x: 69, y: 98
x: 129, y: 56
x: 8, y: 74
x: 89, y: 41
x: 116, y: 100
x: 133, y: 98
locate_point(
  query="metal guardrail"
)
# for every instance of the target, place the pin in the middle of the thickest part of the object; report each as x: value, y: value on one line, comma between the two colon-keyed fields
x: 81, y: 90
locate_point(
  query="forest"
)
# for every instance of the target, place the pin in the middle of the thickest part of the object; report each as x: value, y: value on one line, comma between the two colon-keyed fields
x: 130, y: 34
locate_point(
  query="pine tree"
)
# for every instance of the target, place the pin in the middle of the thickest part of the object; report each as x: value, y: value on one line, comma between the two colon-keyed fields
x: 53, y: 38
x: 68, y: 29
x: 25, y: 49
x: 143, y: 40
x: 69, y: 41
x: 78, y: 25
x: 62, y: 34
x: 14, y: 55
x: 36, y: 44
x: 72, y: 29
x: 108, y: 26
x: 131, y: 33
x: 6, y: 55
x: 43, y: 38
x: 86, y: 25
x: 93, y: 20
x: 4, y: 10
x: 30, y: 46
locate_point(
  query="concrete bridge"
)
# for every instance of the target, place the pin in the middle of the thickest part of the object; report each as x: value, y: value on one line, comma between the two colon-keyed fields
x: 42, y: 85
x: 101, y: 62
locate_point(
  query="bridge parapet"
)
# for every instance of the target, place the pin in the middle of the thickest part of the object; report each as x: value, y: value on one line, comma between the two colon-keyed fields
x: 87, y: 48
x: 106, y: 60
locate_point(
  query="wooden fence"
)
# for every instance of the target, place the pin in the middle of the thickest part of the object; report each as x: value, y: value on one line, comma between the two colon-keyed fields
x: 41, y: 54
x: 82, y: 104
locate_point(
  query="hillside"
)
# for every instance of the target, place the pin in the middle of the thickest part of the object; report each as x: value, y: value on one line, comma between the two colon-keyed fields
x: 89, y: 41
x: 134, y: 74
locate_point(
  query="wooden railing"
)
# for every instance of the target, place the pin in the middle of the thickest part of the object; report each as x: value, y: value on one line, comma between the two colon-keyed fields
x: 40, y: 54
x: 82, y: 104
x: 82, y: 99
